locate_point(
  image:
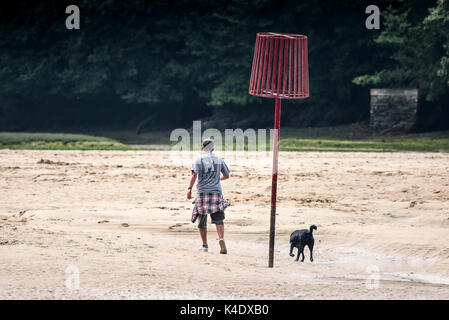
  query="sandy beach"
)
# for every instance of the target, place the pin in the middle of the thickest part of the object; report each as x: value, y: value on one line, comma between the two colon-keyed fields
x: 119, y: 222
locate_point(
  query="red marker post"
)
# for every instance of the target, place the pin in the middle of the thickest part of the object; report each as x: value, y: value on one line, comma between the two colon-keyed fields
x: 279, y: 71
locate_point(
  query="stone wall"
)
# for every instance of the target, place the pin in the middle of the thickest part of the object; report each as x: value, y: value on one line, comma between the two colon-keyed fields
x: 393, y: 109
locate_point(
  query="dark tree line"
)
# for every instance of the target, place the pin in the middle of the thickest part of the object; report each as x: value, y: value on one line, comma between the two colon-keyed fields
x: 165, y: 63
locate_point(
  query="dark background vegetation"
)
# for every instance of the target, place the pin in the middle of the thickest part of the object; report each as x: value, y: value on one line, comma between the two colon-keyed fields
x: 145, y: 65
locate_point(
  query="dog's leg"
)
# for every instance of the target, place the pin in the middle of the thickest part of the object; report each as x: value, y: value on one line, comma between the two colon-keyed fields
x: 311, y: 252
x: 300, y: 250
x: 291, y: 249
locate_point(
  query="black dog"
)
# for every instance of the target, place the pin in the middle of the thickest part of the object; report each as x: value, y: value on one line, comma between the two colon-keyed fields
x: 300, y: 239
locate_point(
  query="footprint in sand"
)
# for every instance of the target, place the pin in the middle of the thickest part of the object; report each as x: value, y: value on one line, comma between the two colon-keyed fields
x: 177, y: 225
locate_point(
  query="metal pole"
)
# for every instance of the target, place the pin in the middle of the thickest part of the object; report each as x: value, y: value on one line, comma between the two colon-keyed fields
x: 274, y: 180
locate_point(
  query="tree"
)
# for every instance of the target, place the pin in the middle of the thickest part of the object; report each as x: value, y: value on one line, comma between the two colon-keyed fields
x: 419, y: 52
x: 174, y: 61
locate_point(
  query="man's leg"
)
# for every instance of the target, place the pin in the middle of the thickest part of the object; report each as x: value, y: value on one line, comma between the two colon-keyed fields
x: 221, y: 242
x: 218, y: 218
x: 202, y: 227
x: 220, y: 230
x: 203, y: 234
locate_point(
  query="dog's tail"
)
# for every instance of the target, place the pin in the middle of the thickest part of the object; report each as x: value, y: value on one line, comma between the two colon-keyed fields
x: 312, y: 227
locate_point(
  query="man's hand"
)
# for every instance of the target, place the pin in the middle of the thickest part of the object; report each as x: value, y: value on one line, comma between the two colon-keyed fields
x: 192, y: 183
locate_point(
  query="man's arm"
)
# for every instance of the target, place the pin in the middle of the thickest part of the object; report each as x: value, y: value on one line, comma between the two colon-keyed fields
x: 224, y: 171
x: 192, y: 183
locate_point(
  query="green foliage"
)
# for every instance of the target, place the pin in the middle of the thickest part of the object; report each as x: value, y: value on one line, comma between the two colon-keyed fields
x: 422, y: 145
x: 180, y: 56
x: 438, y: 20
x: 354, y: 137
x: 18, y: 137
x: 57, y: 141
x: 419, y: 51
x: 360, y: 137
x: 158, y: 52
x: 58, y: 145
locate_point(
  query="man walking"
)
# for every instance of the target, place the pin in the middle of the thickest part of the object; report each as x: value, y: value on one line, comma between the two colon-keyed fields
x: 209, y: 201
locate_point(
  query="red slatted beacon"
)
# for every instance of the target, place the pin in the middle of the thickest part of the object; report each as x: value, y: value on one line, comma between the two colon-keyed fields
x: 279, y: 71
